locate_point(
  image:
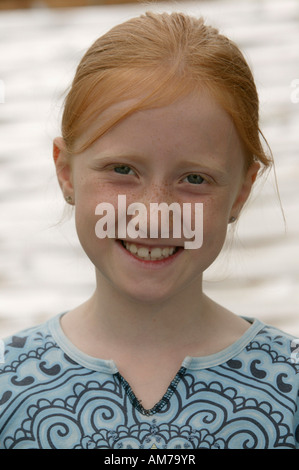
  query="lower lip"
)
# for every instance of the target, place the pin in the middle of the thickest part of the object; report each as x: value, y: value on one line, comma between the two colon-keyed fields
x: 151, y: 263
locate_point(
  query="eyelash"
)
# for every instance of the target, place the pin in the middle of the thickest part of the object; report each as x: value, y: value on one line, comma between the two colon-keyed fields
x: 203, y: 180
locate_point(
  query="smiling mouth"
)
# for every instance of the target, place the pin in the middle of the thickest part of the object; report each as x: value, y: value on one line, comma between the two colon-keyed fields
x: 149, y: 253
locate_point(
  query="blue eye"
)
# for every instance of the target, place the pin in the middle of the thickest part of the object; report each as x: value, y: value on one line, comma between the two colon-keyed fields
x: 122, y: 169
x: 195, y: 179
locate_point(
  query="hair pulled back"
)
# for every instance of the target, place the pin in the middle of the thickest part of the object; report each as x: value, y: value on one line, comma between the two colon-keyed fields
x: 155, y: 59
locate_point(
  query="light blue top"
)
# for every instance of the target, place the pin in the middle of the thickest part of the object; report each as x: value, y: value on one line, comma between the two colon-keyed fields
x: 54, y: 396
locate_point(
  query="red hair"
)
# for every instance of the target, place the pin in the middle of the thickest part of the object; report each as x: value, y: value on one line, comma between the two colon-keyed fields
x: 156, y: 59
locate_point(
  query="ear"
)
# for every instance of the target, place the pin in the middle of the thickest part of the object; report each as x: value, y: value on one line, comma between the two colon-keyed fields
x: 63, y: 167
x: 245, y: 189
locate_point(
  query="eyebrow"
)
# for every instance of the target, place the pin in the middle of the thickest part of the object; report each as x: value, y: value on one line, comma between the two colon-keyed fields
x: 115, y: 156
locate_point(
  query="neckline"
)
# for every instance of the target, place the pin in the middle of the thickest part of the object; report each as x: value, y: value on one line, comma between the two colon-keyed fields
x: 192, y: 363
x: 161, y: 403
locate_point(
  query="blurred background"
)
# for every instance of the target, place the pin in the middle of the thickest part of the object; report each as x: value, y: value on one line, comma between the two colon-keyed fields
x: 43, y: 270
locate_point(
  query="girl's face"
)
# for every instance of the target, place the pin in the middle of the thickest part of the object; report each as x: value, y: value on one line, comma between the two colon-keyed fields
x: 187, y: 152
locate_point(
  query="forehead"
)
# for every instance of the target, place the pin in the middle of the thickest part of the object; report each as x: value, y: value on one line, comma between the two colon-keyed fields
x: 193, y: 125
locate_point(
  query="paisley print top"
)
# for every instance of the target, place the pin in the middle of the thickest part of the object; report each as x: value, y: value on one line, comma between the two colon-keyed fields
x: 53, y: 396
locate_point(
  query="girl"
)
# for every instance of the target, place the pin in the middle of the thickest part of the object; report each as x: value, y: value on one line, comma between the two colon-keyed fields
x: 162, y: 109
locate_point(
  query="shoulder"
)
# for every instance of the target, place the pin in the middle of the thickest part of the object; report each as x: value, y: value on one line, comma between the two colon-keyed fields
x: 271, y: 357
x: 29, y: 343
x: 27, y: 357
x: 281, y: 346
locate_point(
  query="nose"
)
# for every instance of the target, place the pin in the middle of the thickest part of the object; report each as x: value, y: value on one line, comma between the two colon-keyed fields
x: 158, y: 191
x: 158, y: 214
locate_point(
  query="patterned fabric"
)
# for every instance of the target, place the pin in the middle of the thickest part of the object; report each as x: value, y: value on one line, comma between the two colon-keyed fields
x: 54, y: 396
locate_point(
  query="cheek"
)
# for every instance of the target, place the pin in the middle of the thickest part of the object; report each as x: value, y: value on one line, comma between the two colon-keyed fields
x: 215, y: 223
x: 85, y: 226
x: 88, y: 196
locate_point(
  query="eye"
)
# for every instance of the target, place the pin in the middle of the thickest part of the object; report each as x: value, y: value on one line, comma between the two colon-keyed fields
x: 194, y: 179
x: 123, y: 170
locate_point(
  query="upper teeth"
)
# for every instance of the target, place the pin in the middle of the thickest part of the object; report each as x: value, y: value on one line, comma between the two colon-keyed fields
x: 148, y: 252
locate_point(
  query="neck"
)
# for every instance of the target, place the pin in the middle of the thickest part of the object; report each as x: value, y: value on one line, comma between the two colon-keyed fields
x: 123, y: 320
x: 111, y: 326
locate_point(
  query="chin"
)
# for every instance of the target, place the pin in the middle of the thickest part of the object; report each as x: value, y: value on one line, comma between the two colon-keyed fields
x: 147, y: 295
